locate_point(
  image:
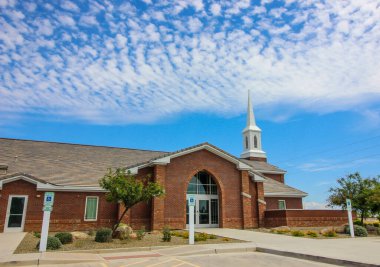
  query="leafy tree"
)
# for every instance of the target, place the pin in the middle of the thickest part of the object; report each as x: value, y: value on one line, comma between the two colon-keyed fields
x: 360, y: 191
x: 125, y: 188
x: 375, y: 201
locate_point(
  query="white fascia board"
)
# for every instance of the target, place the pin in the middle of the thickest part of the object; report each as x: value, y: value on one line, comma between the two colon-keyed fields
x: 274, y: 172
x: 256, y: 177
x: 242, y: 166
x: 162, y: 161
x: 285, y: 194
x: 49, y: 187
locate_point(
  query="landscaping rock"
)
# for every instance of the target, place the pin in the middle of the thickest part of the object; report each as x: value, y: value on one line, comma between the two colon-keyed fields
x: 326, y: 230
x: 79, y: 235
x: 133, y: 236
x: 123, y: 232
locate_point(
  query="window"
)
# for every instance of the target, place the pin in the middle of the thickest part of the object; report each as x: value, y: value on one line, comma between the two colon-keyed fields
x: 246, y: 142
x: 281, y: 205
x: 91, y: 210
x: 255, y: 141
x: 202, y: 184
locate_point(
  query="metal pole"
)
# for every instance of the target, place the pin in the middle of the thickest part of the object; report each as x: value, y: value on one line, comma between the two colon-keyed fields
x: 191, y: 225
x: 44, y: 231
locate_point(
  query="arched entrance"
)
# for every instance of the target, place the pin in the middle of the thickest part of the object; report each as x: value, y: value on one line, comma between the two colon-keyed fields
x: 203, y: 186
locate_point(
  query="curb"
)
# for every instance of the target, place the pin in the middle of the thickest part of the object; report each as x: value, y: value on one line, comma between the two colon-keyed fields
x: 218, y: 251
x: 315, y: 258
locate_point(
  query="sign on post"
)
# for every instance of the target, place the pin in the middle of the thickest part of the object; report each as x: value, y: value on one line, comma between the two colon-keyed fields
x: 48, y: 207
x: 349, y: 211
x: 191, y: 201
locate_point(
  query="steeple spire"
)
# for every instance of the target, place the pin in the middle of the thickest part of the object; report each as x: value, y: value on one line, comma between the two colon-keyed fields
x: 252, y: 136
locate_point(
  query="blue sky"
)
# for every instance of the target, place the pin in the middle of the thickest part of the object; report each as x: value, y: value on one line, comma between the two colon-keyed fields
x: 164, y: 75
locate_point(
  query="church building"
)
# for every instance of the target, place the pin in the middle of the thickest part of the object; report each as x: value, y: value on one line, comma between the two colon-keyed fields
x: 231, y: 192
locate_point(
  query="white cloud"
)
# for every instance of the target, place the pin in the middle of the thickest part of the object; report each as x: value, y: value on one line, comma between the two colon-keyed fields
x: 141, y: 66
x: 215, y: 9
x: 312, y: 205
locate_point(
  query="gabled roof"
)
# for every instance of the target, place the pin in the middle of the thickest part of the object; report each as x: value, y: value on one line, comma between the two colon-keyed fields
x: 272, y: 188
x: 165, y: 159
x: 262, y: 166
x: 67, y: 164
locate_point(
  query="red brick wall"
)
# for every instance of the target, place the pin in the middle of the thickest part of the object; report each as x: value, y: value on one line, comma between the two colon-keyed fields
x: 277, y: 177
x: 306, y: 218
x: 178, y: 175
x: 68, y: 209
x: 291, y: 202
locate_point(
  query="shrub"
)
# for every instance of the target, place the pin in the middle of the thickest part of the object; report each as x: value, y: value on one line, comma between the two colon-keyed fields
x: 330, y: 233
x: 103, y: 235
x: 212, y: 236
x: 37, y: 234
x: 226, y: 239
x: 360, y: 231
x: 298, y: 233
x: 166, y: 234
x: 65, y: 238
x: 140, y: 233
x: 281, y: 232
x: 371, y: 229
x: 53, y: 243
x: 123, y: 231
x: 185, y: 235
x: 376, y: 224
x: 200, y: 237
x: 91, y: 232
x: 358, y: 222
x: 312, y: 233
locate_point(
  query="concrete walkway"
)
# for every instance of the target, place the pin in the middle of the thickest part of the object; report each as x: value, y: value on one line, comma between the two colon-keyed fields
x: 9, y: 242
x: 364, y: 250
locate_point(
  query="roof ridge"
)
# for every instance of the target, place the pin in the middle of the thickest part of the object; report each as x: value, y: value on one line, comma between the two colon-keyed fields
x: 76, y: 144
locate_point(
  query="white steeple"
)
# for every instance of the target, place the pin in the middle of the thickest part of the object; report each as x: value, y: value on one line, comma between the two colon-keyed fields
x: 252, y: 136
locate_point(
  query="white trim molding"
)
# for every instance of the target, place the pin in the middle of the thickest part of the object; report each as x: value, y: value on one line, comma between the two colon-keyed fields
x: 246, y: 195
x: 285, y: 194
x: 261, y: 201
x: 21, y: 228
x: 85, y: 209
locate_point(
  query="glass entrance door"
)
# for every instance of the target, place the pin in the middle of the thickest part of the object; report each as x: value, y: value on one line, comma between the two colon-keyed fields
x: 16, y: 213
x: 206, y: 212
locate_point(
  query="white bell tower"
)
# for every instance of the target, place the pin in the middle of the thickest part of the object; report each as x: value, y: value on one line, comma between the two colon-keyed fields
x: 252, y: 137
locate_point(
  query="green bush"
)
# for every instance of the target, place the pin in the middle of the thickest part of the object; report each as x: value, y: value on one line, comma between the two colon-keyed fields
x: 212, y: 236
x: 298, y: 233
x: 376, y: 224
x: 312, y: 233
x: 185, y: 235
x: 200, y: 237
x: 103, y: 235
x: 37, y: 234
x: 140, y: 233
x: 91, y: 232
x: 166, y: 234
x: 65, y: 238
x: 358, y: 222
x: 360, y: 231
x: 330, y: 233
x: 53, y: 243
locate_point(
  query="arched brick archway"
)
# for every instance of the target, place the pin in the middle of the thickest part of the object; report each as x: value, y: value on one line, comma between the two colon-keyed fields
x: 220, y: 192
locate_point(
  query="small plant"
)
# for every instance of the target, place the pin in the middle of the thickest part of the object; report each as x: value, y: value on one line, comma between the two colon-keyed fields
x: 212, y: 237
x: 298, y: 233
x: 37, y: 234
x: 200, y: 237
x: 226, y: 239
x: 330, y: 233
x: 282, y: 232
x: 103, y: 235
x: 53, y: 243
x: 64, y: 237
x: 167, y: 236
x: 140, y: 233
x: 185, y: 235
x: 360, y: 231
x: 91, y: 232
x: 312, y: 233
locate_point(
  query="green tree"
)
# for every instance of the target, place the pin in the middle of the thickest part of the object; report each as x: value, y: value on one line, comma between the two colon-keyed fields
x: 360, y: 191
x: 375, y: 201
x: 123, y: 187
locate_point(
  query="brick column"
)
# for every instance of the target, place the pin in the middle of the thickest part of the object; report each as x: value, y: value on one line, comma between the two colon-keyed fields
x: 261, y: 205
x: 158, y: 204
x: 246, y: 201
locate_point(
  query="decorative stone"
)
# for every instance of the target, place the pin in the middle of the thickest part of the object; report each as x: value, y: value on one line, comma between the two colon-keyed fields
x: 80, y: 235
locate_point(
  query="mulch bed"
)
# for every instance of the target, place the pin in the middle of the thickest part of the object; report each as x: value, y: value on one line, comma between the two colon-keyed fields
x: 29, y: 243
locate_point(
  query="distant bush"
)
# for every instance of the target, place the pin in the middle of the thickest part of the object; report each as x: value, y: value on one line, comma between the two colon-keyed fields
x: 103, y: 235
x: 376, y: 224
x: 91, y: 232
x: 200, y: 237
x: 312, y: 233
x: 37, y: 234
x: 166, y: 234
x: 212, y: 237
x: 226, y: 239
x: 330, y: 233
x: 298, y: 233
x: 140, y: 233
x: 281, y: 232
x: 53, y: 243
x: 358, y: 222
x: 65, y: 238
x: 378, y: 231
x: 358, y: 230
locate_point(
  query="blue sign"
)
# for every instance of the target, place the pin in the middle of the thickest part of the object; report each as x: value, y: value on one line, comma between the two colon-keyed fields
x: 49, y: 199
x: 191, y: 200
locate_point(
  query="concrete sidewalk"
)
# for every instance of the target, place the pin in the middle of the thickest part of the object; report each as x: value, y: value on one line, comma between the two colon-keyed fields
x: 9, y: 242
x: 363, y: 250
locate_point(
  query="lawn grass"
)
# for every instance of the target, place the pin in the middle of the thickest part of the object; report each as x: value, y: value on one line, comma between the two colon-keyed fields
x: 29, y: 243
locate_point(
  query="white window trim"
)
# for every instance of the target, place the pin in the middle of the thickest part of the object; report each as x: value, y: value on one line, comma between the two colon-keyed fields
x: 20, y: 229
x: 284, y: 204
x: 97, y: 206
